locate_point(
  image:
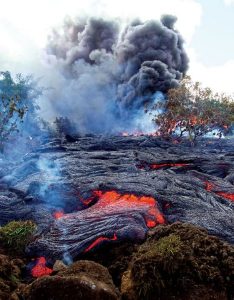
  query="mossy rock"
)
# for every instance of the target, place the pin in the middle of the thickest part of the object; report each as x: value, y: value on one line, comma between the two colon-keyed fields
x: 16, y: 235
x: 180, y: 261
x: 10, y: 276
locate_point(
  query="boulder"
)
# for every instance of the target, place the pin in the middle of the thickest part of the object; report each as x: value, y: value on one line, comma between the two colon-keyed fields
x: 58, y: 266
x: 180, y: 261
x: 82, y: 280
x: 10, y: 272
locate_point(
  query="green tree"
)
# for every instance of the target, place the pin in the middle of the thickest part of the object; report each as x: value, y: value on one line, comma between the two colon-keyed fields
x: 194, y: 111
x: 16, y: 99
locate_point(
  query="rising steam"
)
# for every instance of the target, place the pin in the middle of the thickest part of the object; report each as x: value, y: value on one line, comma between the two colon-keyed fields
x: 106, y: 74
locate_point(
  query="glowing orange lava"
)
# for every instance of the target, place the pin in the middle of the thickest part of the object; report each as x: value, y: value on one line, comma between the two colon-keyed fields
x: 210, y: 186
x: 58, y: 214
x: 115, y: 199
x: 159, y: 166
x: 226, y: 195
x: 116, y: 202
x: 40, y: 268
x: 99, y: 240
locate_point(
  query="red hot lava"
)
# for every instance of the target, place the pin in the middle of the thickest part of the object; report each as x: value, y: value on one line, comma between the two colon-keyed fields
x: 114, y: 202
x: 145, y: 165
x: 226, y: 195
x: 58, y: 214
x: 40, y: 269
x: 164, y: 165
x: 126, y: 202
x: 210, y: 186
x: 100, y: 240
x: 115, y: 199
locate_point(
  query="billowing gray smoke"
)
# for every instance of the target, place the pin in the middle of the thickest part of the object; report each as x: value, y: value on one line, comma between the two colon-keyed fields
x: 108, y: 74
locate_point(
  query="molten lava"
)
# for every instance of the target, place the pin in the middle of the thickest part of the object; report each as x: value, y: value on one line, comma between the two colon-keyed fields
x: 100, y: 240
x: 58, y: 214
x: 170, y: 165
x: 226, y: 195
x: 126, y: 202
x: 40, y: 269
x: 210, y: 186
x: 113, y: 198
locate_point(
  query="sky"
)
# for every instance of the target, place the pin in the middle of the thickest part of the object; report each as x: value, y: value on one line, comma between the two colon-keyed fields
x: 206, y: 25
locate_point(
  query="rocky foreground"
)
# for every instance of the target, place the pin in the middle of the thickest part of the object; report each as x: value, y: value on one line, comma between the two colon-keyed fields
x: 92, y: 193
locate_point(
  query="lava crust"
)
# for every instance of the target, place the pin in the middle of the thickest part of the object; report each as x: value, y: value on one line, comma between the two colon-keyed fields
x: 98, y: 190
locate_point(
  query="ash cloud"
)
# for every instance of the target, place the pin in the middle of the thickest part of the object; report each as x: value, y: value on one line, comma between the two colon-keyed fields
x: 106, y: 73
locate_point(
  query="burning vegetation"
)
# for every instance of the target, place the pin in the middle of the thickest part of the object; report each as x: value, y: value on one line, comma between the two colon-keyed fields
x: 194, y: 111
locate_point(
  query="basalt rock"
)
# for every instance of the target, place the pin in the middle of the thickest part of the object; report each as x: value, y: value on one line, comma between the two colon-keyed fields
x: 180, y: 261
x: 155, y: 182
x: 82, y: 280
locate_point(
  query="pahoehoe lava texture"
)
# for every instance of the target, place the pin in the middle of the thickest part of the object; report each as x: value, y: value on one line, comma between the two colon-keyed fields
x: 193, y: 185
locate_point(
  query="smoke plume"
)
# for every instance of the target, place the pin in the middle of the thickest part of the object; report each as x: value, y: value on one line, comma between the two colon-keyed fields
x: 106, y: 74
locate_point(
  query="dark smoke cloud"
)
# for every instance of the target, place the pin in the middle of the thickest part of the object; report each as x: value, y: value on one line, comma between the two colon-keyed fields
x: 108, y: 74
x: 80, y: 38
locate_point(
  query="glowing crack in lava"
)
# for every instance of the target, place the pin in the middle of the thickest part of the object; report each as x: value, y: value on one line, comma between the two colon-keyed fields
x: 40, y: 269
x: 170, y: 165
x: 58, y: 214
x: 209, y: 187
x: 145, y: 165
x: 112, y: 216
x: 226, y: 195
x: 100, y: 240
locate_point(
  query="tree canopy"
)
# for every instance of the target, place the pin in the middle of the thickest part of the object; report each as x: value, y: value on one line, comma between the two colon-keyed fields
x: 194, y: 111
x: 17, y: 97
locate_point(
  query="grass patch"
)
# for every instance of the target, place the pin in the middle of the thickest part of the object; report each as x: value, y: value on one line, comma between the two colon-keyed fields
x: 17, y: 234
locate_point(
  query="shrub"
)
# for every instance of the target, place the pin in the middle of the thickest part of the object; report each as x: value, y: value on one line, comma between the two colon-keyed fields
x: 17, y: 234
x: 63, y: 126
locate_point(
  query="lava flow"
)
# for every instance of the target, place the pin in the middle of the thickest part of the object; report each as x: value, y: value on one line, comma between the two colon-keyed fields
x: 58, y: 214
x: 110, y: 217
x: 226, y: 195
x: 126, y: 201
x: 170, y: 165
x: 100, y: 240
x: 145, y: 165
x: 210, y: 186
x: 40, y: 269
x: 113, y: 198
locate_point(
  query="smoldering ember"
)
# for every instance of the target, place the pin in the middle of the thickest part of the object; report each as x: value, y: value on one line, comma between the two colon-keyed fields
x: 106, y: 203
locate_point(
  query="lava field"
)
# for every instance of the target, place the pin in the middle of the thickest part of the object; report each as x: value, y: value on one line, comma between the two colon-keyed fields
x: 85, y: 191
